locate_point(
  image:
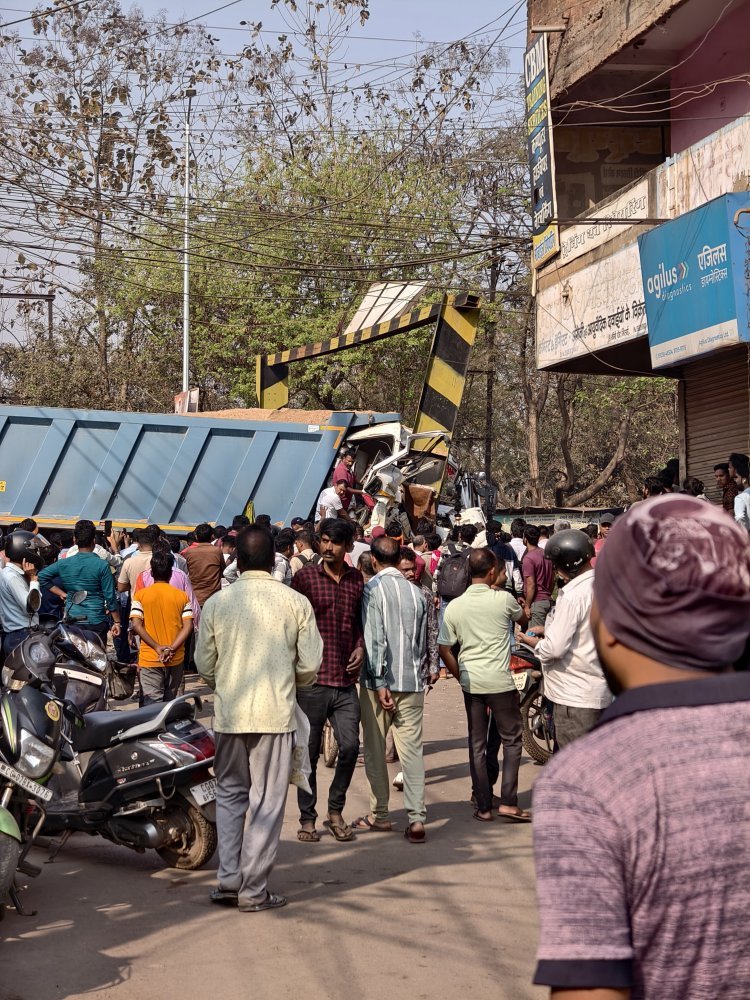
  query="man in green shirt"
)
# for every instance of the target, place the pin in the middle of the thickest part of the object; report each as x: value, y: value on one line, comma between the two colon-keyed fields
x: 478, y: 623
x: 86, y: 571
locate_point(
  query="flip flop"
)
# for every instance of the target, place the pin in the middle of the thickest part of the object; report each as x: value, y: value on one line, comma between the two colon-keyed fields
x: 415, y: 837
x: 342, y: 833
x: 521, y: 816
x: 483, y: 819
x: 364, y: 823
x: 308, y: 836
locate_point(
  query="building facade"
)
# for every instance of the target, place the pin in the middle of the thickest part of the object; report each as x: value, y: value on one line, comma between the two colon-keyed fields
x: 650, y: 112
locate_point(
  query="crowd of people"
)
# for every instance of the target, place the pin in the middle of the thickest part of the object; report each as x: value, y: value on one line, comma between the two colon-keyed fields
x: 353, y: 628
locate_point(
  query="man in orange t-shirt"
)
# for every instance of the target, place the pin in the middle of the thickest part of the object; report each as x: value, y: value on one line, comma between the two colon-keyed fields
x: 162, y: 618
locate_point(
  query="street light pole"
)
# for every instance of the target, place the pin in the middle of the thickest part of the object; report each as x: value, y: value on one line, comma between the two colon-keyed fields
x: 190, y: 94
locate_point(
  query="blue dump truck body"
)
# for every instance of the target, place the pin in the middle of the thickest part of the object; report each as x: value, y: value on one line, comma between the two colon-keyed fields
x: 59, y: 465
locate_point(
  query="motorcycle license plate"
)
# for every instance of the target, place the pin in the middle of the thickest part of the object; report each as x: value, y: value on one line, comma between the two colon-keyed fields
x: 205, y: 792
x: 33, y: 787
x: 519, y: 679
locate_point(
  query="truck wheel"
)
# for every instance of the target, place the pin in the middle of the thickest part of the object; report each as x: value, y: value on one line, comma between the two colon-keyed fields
x: 538, y: 742
x: 194, y: 838
x: 9, y: 852
x: 330, y: 746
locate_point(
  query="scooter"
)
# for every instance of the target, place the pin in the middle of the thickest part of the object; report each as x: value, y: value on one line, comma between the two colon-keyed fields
x: 140, y: 778
x: 536, y: 710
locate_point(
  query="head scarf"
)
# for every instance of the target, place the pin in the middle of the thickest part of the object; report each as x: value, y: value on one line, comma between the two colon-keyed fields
x: 673, y: 583
x: 377, y: 532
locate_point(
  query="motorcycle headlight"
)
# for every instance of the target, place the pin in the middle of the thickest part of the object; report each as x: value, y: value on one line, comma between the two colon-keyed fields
x: 81, y: 644
x: 96, y: 657
x: 36, y: 758
x: 9, y: 681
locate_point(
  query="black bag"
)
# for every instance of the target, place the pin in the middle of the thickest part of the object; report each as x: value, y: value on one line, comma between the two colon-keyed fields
x: 121, y: 679
x: 308, y: 560
x: 454, y: 577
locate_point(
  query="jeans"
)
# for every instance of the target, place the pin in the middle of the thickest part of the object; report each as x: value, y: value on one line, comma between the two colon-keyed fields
x: 122, y: 642
x: 13, y: 639
x: 341, y: 706
x: 506, y: 714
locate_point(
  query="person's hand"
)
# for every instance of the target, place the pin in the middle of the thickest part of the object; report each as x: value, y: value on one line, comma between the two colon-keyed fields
x: 116, y: 629
x: 29, y: 569
x: 436, y: 602
x: 166, y: 653
x: 386, y: 700
x: 356, y: 660
x: 432, y: 679
x: 536, y: 630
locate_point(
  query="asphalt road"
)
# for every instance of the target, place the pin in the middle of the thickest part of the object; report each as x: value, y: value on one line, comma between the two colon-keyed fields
x: 374, y: 919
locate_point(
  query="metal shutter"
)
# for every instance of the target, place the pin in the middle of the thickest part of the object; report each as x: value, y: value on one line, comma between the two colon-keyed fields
x: 717, y: 412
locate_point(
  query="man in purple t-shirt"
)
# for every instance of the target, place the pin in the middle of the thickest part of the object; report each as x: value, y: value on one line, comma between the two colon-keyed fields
x: 538, y: 578
x: 642, y: 826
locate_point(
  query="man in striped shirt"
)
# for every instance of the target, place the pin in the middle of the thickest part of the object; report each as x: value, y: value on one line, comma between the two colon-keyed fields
x: 394, y: 614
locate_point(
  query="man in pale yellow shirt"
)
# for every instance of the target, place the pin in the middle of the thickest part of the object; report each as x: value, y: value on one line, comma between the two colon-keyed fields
x: 257, y: 643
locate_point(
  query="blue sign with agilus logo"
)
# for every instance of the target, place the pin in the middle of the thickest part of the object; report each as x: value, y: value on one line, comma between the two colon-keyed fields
x: 695, y: 283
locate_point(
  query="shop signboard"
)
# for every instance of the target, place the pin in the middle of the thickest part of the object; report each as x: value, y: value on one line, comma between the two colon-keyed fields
x: 694, y: 282
x: 596, y: 307
x: 544, y: 231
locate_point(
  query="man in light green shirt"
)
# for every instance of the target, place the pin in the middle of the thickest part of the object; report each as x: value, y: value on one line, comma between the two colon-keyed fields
x: 258, y: 642
x: 478, y: 624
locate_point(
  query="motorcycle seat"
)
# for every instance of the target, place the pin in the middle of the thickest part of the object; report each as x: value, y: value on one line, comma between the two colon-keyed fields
x: 104, y: 728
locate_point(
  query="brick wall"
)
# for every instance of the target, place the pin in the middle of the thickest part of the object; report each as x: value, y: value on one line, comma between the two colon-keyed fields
x: 596, y: 30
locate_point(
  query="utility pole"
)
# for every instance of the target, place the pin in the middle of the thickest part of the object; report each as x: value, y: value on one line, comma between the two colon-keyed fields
x: 190, y: 94
x: 490, y: 498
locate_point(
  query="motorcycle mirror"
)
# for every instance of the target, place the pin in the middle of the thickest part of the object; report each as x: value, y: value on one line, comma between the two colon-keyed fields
x: 79, y: 596
x: 33, y: 601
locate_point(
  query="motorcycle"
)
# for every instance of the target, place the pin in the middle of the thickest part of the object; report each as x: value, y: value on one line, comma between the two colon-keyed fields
x: 536, y: 710
x: 141, y: 779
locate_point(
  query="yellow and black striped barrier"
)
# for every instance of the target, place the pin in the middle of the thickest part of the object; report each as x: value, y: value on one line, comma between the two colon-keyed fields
x: 444, y: 382
x: 456, y: 321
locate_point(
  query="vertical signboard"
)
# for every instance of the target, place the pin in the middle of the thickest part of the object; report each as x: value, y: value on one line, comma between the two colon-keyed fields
x: 545, y: 237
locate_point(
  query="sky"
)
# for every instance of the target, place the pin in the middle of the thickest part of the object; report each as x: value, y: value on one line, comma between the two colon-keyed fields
x: 389, y: 32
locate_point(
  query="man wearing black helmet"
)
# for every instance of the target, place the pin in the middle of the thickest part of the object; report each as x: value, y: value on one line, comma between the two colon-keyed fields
x: 573, y: 678
x: 16, y: 580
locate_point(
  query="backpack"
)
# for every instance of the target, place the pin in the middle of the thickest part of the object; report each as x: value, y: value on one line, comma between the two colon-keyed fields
x: 454, y: 573
x: 305, y: 560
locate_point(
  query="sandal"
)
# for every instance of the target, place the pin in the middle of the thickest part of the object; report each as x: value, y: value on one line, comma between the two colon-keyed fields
x: 308, y: 836
x: 364, y: 823
x: 339, y: 831
x: 415, y: 836
x: 271, y: 902
x: 517, y: 816
x: 483, y: 819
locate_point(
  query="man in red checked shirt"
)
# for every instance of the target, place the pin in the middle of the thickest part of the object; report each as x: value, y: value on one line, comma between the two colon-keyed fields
x: 335, y: 591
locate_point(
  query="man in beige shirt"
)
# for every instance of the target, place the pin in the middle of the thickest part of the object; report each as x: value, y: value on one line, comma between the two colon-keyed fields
x: 257, y: 643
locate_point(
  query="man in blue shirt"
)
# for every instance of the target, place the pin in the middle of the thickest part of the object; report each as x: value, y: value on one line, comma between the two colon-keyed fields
x: 86, y: 571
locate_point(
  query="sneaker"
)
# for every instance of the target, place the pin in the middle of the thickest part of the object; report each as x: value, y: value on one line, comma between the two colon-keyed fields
x: 398, y: 781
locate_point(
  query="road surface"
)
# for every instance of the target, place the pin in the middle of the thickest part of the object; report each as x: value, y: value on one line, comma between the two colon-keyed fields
x: 374, y: 919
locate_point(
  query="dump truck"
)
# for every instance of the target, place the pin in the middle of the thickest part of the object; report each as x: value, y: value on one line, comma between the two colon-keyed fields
x: 133, y: 469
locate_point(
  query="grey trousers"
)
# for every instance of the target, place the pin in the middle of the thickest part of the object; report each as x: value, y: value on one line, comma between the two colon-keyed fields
x: 252, y: 776
x: 159, y: 684
x: 572, y: 723
x: 539, y: 612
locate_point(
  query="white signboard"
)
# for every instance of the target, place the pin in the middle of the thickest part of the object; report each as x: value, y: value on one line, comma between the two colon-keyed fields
x: 710, y: 168
x: 578, y: 240
x: 597, y: 307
